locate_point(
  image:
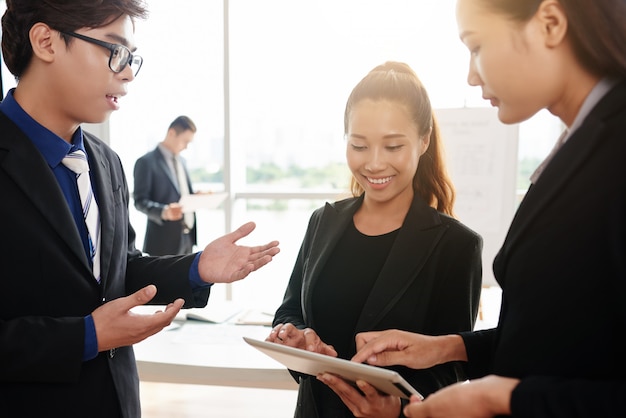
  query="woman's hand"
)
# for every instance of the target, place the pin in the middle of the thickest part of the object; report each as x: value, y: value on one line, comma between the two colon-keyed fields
x: 481, y: 398
x: 305, y: 339
x: 418, y: 351
x: 366, y: 401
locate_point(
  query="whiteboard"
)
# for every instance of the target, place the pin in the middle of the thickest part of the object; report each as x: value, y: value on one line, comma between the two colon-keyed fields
x: 481, y: 154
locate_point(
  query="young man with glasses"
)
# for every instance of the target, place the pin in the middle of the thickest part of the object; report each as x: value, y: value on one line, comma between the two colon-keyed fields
x: 69, y: 269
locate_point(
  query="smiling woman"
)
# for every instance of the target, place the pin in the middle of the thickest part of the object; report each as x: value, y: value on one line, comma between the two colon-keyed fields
x: 379, y: 259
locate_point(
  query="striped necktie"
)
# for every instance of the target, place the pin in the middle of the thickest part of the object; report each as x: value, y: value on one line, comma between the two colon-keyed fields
x: 77, y: 162
x: 183, y: 188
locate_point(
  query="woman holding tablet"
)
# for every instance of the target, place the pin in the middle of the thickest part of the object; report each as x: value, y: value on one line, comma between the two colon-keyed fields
x: 391, y: 256
x: 556, y: 351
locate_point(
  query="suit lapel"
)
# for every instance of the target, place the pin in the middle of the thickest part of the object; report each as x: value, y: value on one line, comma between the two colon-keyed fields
x: 332, y: 225
x: 420, y: 233
x: 26, y: 166
x: 100, y: 170
x: 570, y: 159
x: 160, y: 161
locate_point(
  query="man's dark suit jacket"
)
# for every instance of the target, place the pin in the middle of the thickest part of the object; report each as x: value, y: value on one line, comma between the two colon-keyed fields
x: 46, y: 287
x: 155, y: 187
x: 430, y: 283
x: 562, y: 269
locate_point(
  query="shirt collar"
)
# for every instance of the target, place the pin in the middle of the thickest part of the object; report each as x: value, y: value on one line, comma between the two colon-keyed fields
x: 596, y: 94
x: 50, y: 145
x: 167, y: 154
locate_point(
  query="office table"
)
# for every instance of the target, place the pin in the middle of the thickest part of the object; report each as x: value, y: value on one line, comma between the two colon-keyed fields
x: 196, y: 352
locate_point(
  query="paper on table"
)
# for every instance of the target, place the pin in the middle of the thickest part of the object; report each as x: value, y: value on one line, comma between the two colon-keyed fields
x: 193, y: 202
x: 255, y: 317
x: 214, y: 312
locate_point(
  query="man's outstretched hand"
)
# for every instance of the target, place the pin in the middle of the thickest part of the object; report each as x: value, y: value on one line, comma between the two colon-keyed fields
x: 223, y: 261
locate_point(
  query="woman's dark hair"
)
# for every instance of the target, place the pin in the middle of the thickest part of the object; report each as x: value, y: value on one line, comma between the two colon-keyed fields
x: 62, y: 15
x: 596, y: 28
x: 397, y: 82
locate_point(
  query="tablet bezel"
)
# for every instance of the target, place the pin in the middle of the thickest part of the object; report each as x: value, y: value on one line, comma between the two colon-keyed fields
x: 308, y: 362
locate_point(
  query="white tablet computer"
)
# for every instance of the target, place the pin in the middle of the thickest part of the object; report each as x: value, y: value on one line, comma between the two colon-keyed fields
x: 307, y: 362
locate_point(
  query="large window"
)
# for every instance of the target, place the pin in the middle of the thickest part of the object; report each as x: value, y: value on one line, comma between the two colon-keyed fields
x: 182, y: 46
x: 293, y: 64
x: 266, y: 83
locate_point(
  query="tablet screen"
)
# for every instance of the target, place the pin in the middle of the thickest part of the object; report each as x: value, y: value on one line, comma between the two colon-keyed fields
x: 307, y: 362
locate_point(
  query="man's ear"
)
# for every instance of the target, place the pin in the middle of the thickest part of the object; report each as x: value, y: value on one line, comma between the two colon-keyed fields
x: 553, y: 21
x: 42, y: 42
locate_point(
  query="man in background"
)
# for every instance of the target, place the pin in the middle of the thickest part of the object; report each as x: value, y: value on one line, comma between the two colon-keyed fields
x: 161, y: 179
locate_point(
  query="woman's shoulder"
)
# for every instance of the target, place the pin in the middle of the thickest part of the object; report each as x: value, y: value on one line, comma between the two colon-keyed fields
x: 457, y: 227
x: 426, y: 216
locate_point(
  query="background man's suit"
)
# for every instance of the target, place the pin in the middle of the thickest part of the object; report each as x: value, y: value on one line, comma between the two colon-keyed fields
x: 155, y: 187
x: 47, y: 287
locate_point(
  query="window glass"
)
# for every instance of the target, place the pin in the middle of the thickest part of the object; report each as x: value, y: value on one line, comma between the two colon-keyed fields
x: 182, y: 74
x: 291, y: 66
x: 284, y: 220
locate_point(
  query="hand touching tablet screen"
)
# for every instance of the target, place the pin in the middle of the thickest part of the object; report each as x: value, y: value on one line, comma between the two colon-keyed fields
x: 307, y: 362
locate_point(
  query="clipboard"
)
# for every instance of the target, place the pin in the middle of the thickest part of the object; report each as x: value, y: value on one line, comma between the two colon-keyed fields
x: 308, y: 362
x: 193, y: 202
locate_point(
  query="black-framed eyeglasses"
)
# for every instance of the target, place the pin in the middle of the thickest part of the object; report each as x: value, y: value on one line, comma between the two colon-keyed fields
x: 120, y: 55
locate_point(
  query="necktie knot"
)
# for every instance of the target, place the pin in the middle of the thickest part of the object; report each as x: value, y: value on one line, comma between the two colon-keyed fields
x: 76, y: 161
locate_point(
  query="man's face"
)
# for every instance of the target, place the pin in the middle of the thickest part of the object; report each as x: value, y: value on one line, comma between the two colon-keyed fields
x: 182, y: 141
x: 86, y: 89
